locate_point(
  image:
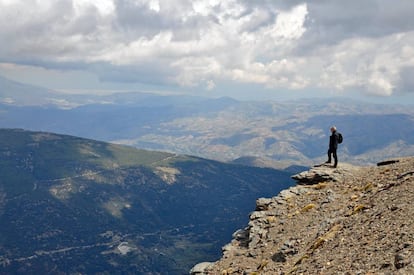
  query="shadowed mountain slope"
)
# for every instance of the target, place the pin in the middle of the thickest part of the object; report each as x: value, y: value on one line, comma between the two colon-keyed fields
x: 73, y: 205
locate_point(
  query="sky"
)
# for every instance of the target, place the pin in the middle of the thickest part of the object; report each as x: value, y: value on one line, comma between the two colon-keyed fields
x: 251, y: 49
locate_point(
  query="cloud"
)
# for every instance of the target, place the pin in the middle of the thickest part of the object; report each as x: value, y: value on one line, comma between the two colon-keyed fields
x: 406, y: 80
x: 337, y: 20
x: 372, y: 64
x: 298, y: 45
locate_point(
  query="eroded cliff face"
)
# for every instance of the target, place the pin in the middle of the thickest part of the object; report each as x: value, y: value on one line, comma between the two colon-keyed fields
x: 348, y: 220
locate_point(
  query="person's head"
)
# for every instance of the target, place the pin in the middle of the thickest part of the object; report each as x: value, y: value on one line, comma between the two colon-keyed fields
x: 333, y: 129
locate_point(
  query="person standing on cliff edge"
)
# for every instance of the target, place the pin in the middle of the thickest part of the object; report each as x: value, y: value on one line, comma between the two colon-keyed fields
x: 333, y: 146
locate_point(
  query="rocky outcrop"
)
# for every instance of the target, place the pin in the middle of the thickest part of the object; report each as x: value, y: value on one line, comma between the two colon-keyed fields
x: 348, y: 220
x: 322, y: 173
x: 200, y: 268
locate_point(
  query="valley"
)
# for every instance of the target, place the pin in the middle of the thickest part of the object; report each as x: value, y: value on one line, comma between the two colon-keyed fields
x: 69, y: 204
x: 276, y: 134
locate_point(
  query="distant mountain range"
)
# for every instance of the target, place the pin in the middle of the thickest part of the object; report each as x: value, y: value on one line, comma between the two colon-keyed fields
x: 77, y: 206
x: 276, y: 134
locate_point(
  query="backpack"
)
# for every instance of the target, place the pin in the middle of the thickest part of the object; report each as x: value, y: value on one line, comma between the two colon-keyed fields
x: 340, y: 138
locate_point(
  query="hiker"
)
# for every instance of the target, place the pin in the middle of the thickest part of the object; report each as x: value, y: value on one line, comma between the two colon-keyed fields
x: 333, y: 146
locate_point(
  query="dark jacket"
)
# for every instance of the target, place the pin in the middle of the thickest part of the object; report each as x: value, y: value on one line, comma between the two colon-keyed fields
x: 333, y: 141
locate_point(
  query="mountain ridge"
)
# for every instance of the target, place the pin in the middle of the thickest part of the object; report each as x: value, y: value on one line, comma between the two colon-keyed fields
x: 349, y: 220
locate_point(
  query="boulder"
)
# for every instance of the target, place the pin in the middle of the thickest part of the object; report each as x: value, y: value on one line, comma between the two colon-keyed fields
x: 200, y: 268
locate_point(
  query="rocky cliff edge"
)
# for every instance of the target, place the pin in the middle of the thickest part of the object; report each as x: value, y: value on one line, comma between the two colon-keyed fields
x: 348, y: 220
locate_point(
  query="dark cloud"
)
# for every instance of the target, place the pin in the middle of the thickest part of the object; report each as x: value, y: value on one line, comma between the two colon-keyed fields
x: 331, y: 21
x: 137, y: 19
x: 259, y: 19
x: 47, y: 32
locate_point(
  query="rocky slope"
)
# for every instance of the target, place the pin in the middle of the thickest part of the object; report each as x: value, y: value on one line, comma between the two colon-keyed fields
x: 349, y: 220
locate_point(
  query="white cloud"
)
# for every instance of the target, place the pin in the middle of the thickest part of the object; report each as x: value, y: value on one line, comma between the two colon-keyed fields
x: 194, y: 71
x: 290, y: 25
x: 203, y: 7
x: 154, y: 5
x: 372, y: 64
x: 105, y: 7
x: 210, y: 85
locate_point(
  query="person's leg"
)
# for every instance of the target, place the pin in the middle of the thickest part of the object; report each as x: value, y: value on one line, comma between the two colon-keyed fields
x: 335, y: 158
x: 329, y: 156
